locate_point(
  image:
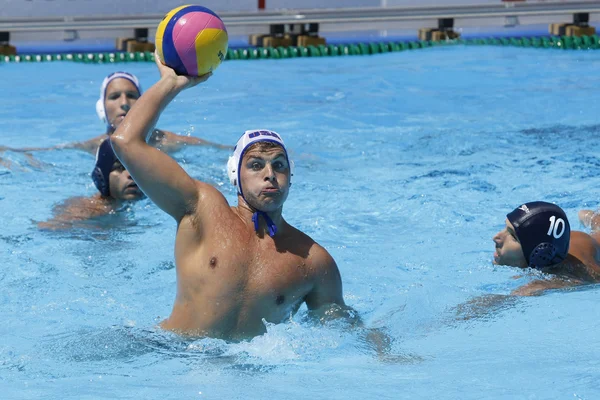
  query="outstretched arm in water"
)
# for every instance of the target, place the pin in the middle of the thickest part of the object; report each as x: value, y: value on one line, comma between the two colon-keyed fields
x: 77, y: 211
x: 172, y: 142
x: 166, y: 141
x: 89, y: 146
x: 487, y: 305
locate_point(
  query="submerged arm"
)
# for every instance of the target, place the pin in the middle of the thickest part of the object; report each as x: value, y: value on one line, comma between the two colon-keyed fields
x: 326, y: 302
x: 89, y: 146
x: 537, y: 287
x: 491, y: 304
x: 173, y: 142
x: 74, y: 210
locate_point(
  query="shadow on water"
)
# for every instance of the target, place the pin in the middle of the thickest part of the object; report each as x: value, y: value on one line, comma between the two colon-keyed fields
x: 16, y: 240
x: 562, y: 131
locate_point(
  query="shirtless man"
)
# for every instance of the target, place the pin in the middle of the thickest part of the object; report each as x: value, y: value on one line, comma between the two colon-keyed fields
x: 538, y: 235
x: 236, y: 265
x: 115, y: 187
x: 118, y: 93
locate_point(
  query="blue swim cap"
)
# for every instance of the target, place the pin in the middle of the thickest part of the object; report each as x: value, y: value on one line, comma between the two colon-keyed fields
x: 105, y: 158
x: 544, y: 232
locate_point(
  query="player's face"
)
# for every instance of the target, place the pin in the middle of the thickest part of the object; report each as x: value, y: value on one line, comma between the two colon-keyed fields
x: 265, y: 178
x: 122, y: 186
x: 508, y: 248
x: 121, y: 94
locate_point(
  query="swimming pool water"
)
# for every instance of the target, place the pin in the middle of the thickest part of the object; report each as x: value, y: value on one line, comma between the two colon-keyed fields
x: 406, y: 165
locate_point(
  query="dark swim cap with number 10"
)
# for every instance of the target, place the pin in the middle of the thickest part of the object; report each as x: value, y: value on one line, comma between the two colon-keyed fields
x: 544, y: 232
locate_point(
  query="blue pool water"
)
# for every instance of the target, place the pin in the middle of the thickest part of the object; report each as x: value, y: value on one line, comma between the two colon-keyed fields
x: 406, y: 165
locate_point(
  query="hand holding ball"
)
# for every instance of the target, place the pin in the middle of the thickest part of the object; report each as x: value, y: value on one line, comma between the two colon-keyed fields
x: 192, y: 40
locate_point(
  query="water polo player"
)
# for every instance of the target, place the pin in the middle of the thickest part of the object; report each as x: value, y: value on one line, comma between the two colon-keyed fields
x: 110, y: 177
x: 118, y: 92
x: 239, y: 266
x: 538, y: 235
x: 115, y: 187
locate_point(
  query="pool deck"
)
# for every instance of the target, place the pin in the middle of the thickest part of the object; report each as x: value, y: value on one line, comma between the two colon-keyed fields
x: 241, y: 41
x: 99, y: 33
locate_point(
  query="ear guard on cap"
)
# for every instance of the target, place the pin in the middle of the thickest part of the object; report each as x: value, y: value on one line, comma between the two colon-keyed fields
x: 246, y: 140
x: 105, y: 158
x: 232, y: 170
x: 544, y: 254
x: 100, y: 110
x: 99, y: 181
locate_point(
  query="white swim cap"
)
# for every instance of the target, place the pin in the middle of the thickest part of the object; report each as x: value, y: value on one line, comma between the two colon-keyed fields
x: 100, y: 109
x: 248, y: 138
x: 233, y: 167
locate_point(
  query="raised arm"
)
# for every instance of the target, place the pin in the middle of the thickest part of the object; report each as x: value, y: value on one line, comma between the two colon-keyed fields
x: 157, y: 174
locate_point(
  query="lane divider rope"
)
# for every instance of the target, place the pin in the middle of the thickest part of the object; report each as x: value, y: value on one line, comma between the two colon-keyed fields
x: 331, y: 50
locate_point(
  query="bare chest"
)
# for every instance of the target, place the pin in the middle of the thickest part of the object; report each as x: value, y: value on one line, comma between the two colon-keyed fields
x: 244, y: 282
x: 279, y: 282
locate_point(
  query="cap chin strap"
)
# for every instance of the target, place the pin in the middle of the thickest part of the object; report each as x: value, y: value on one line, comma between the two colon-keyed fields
x: 543, y: 255
x: 272, y: 228
x: 232, y: 172
x: 233, y: 168
x: 270, y: 224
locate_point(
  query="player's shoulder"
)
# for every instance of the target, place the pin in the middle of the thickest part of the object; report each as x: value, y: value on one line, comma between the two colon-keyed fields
x: 210, y: 201
x: 584, y: 247
x: 318, y: 255
x: 306, y: 245
x: 582, y: 239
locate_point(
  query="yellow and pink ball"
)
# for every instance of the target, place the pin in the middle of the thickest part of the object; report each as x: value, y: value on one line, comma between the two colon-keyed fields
x: 192, y: 40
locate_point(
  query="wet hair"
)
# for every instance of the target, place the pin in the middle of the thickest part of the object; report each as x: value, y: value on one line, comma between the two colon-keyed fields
x: 263, y: 146
x: 543, y: 231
